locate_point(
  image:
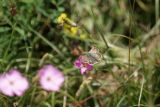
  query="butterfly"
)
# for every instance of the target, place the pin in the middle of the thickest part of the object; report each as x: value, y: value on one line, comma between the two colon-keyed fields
x: 91, y: 57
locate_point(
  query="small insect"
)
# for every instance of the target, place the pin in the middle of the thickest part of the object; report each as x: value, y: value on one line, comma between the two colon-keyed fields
x: 91, y: 57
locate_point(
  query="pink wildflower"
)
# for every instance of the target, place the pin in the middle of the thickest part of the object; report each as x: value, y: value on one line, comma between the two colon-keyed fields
x: 13, y: 83
x: 51, y: 78
x: 84, y: 67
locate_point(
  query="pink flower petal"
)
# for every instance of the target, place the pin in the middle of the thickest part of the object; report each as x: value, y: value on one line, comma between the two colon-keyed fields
x: 78, y: 63
x: 13, y: 83
x: 50, y: 78
x: 84, y: 67
x: 83, y: 70
x: 89, y: 67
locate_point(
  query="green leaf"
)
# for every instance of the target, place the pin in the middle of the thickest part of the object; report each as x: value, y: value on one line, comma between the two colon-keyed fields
x: 27, y: 1
x: 4, y: 29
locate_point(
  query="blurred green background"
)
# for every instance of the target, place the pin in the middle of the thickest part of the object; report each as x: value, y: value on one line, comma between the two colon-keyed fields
x: 127, y: 33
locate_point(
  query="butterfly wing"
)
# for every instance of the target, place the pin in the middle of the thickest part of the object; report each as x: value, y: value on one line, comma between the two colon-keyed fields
x: 84, y: 58
x: 94, y: 52
x: 91, y: 57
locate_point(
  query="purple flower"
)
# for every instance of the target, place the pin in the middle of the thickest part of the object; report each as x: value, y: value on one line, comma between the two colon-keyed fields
x: 13, y: 83
x: 50, y: 78
x: 84, y: 67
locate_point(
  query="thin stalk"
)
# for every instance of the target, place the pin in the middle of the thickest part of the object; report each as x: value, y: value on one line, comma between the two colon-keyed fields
x: 140, y: 95
x: 99, y: 30
x: 65, y: 97
x: 157, y: 8
x: 130, y: 32
x: 53, y: 99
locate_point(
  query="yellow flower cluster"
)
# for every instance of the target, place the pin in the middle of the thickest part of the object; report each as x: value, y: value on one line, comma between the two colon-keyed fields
x: 70, y: 26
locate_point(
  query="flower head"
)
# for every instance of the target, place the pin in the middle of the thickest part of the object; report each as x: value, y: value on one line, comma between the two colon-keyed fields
x: 74, y: 30
x: 84, y: 67
x: 61, y: 18
x: 51, y: 78
x: 13, y: 83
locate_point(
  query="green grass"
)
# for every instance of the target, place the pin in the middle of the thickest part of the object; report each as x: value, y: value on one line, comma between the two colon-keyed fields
x: 125, y: 31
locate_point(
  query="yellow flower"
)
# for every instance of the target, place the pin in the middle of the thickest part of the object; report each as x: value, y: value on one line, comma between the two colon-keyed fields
x: 74, y: 30
x: 83, y: 36
x: 61, y: 18
x: 70, y: 30
x: 69, y: 26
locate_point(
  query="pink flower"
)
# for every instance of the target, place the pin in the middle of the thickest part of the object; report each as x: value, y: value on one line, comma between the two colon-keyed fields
x: 84, y: 67
x: 13, y: 83
x: 51, y: 79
